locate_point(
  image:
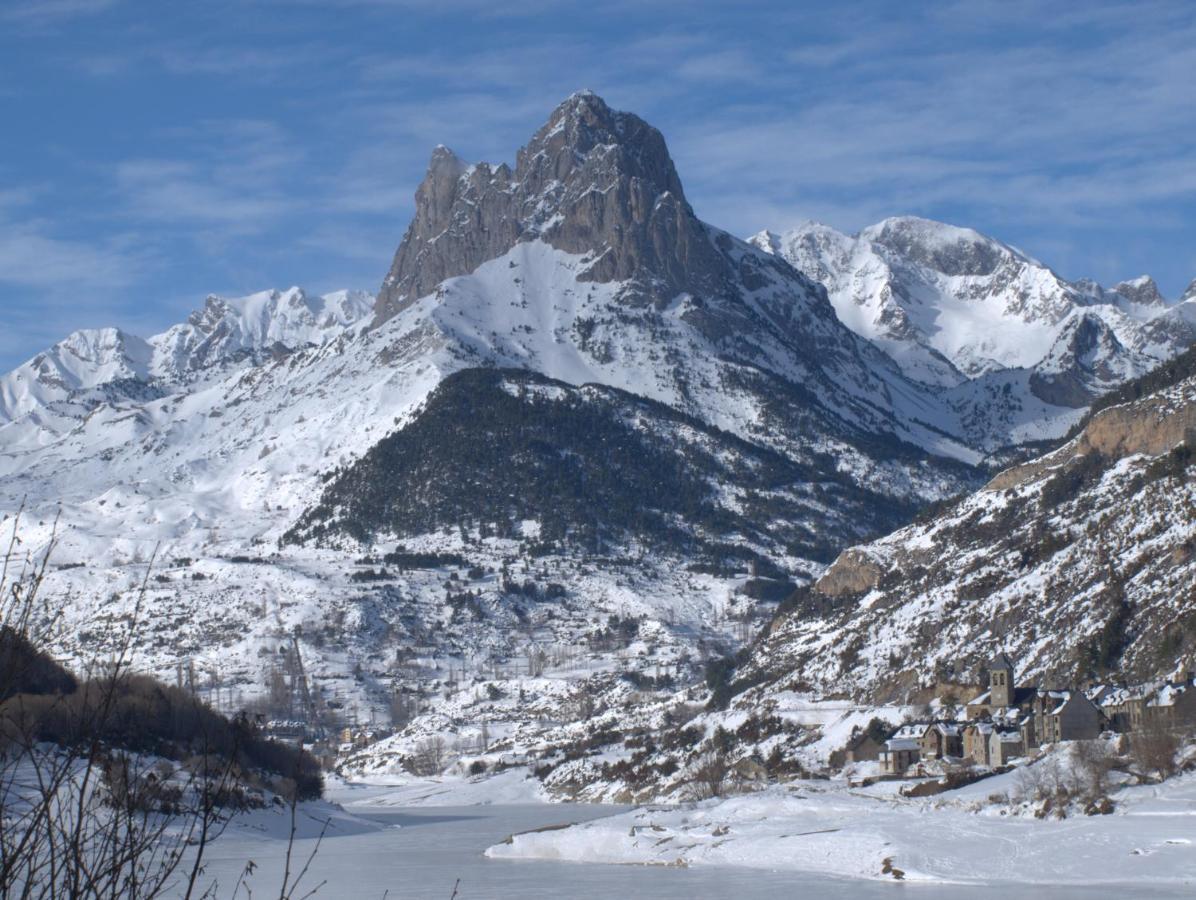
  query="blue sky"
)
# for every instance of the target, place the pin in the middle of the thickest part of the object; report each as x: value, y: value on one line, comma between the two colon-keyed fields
x: 153, y: 153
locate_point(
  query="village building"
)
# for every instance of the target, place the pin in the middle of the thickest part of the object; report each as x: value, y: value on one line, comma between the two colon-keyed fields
x: 1005, y: 744
x: 1063, y: 716
x: 941, y: 740
x: 1173, y: 705
x: 1124, y: 708
x: 902, y: 750
x: 863, y: 748
x: 976, y: 736
x: 1002, y: 695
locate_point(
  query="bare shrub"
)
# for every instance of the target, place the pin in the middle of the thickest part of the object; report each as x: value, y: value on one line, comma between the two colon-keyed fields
x: 429, y: 757
x: 1092, y: 763
x: 708, y: 776
x: 1045, y: 780
x: 1153, y: 748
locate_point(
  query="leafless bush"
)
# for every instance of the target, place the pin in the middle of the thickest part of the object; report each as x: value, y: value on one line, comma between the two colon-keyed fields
x: 429, y: 757
x: 1046, y: 779
x: 1092, y: 763
x: 1153, y: 749
x: 708, y: 776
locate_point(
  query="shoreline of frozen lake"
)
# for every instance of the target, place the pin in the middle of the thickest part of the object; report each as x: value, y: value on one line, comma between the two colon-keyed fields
x: 434, y: 846
x: 970, y: 836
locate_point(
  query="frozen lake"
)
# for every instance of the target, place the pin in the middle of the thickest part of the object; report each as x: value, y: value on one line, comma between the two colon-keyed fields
x: 433, y: 847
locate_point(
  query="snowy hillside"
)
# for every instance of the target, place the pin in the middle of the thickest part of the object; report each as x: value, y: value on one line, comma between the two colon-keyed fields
x: 1079, y: 564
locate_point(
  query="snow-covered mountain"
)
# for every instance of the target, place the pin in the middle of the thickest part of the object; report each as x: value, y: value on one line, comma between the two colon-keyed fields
x: 1079, y: 563
x: 226, y: 331
x: 576, y: 411
x: 950, y: 304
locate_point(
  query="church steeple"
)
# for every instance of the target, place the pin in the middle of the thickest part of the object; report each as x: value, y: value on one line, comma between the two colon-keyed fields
x: 1000, y: 681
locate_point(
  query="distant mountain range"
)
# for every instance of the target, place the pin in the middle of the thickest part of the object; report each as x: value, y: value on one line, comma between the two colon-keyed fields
x: 224, y: 331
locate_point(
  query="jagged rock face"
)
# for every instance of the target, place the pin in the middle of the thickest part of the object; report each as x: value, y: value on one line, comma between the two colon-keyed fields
x: 591, y: 181
x: 1085, y: 362
x: 1142, y: 290
x: 853, y: 572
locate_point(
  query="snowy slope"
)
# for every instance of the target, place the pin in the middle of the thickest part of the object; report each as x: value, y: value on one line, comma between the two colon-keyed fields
x: 1078, y: 564
x: 961, y: 838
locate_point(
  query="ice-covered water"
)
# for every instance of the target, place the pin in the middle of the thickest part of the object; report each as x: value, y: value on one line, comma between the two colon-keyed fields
x: 434, y: 847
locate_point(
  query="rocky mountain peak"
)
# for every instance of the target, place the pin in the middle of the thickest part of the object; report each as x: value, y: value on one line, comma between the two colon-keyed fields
x: 944, y: 248
x: 1141, y: 290
x: 591, y: 181
x: 1189, y: 292
x: 585, y: 144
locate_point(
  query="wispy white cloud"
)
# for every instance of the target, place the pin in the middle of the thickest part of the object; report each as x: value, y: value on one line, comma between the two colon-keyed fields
x: 238, y: 175
x: 41, y: 13
x: 32, y: 255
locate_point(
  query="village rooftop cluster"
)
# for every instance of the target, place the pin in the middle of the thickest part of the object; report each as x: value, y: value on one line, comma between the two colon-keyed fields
x: 1008, y: 721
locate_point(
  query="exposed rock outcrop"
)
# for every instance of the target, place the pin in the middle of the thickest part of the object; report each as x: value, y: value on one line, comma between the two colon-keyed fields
x: 852, y: 573
x: 1151, y: 427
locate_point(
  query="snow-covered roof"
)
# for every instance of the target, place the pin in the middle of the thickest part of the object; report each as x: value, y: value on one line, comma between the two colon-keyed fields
x: 1001, y: 661
x: 1119, y: 695
x: 894, y: 744
x: 1057, y: 695
x: 1168, y: 695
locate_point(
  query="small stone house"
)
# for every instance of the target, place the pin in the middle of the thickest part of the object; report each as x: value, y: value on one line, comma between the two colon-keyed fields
x: 863, y: 748
x: 941, y: 739
x: 1004, y: 744
x: 1064, y: 716
x: 902, y: 750
x: 976, y: 741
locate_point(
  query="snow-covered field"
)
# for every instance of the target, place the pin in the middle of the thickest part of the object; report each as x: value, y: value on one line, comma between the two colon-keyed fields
x: 968, y: 836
